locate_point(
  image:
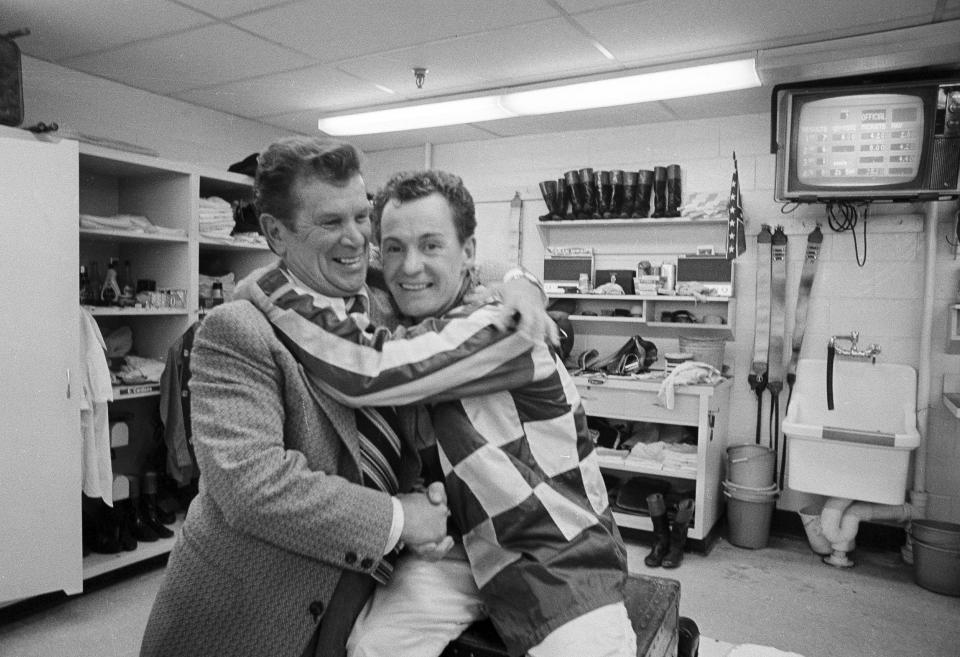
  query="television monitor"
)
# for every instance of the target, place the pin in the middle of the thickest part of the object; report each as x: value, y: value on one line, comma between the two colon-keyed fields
x: 894, y: 140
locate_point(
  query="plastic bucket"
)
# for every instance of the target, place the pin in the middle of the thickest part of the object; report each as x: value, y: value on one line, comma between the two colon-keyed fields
x: 737, y: 488
x: 748, y: 519
x: 810, y: 515
x: 936, y: 569
x: 750, y: 465
x: 936, y: 533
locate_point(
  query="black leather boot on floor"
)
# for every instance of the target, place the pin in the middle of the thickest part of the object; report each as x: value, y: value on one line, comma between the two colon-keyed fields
x: 149, y: 492
x: 661, y: 530
x: 141, y: 529
x: 678, y: 534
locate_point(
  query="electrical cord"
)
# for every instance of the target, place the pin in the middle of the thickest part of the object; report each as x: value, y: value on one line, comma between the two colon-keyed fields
x: 843, y: 216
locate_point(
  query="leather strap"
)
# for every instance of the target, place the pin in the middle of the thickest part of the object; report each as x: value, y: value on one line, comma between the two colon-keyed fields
x: 778, y: 311
x: 807, y: 275
x: 761, y: 332
x: 778, y: 317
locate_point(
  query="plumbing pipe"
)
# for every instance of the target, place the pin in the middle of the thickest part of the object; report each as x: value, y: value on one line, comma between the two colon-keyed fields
x: 841, y: 518
x: 931, y: 213
x: 830, y: 520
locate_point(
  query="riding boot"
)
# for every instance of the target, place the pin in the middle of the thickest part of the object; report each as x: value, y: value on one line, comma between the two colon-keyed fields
x: 548, y: 188
x: 616, y: 195
x: 150, y: 493
x: 148, y: 511
x: 604, y: 194
x: 661, y: 530
x: 133, y: 517
x: 688, y: 637
x: 641, y: 208
x: 572, y: 184
x: 629, y: 193
x: 674, y: 191
x: 678, y: 534
x: 588, y: 185
x: 99, y: 531
x: 128, y: 541
x: 563, y: 200
x: 659, y: 192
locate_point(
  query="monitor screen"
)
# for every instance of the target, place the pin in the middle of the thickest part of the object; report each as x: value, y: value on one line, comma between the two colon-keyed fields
x: 859, y: 139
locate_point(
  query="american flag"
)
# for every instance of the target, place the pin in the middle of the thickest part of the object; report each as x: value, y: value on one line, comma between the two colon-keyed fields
x: 736, y: 235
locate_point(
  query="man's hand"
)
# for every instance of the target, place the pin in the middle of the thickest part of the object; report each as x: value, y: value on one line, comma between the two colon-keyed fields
x: 423, y: 520
x: 523, y: 296
x: 434, y: 550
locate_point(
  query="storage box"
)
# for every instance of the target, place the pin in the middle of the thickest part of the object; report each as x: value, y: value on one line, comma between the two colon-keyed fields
x: 652, y: 602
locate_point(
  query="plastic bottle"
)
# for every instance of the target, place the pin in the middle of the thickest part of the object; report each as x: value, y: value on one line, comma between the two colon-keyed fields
x: 86, y: 291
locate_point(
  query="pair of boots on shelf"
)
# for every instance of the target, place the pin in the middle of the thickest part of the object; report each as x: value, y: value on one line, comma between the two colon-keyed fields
x: 668, y: 540
x: 616, y: 194
x: 138, y: 518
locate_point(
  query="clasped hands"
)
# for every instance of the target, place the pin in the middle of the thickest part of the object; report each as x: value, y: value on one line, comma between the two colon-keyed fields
x: 425, y: 516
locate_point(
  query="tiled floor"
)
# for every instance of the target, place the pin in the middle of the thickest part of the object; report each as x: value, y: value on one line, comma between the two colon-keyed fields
x: 780, y: 596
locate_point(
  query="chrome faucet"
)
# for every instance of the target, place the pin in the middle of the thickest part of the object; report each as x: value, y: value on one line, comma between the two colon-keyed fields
x: 853, y: 351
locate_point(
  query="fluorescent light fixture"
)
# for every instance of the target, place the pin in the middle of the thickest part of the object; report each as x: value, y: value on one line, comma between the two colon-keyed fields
x: 611, y: 92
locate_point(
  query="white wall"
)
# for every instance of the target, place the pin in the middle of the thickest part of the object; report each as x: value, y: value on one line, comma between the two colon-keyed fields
x: 177, y: 131
x: 880, y: 299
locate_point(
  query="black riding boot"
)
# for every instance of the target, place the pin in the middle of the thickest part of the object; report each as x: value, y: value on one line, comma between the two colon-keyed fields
x: 661, y: 530
x: 641, y: 208
x: 588, y: 185
x: 571, y: 181
x: 674, y: 191
x: 659, y: 192
x: 629, y: 193
x: 678, y: 534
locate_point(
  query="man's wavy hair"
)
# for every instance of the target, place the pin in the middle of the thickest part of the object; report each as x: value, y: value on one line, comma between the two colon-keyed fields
x: 289, y: 160
x: 412, y: 185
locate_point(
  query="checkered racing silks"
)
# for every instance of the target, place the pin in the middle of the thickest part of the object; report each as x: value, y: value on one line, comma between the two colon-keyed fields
x: 522, y: 477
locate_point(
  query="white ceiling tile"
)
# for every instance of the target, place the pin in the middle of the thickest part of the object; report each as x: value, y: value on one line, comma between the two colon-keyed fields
x: 578, y: 6
x: 318, y: 88
x: 59, y: 30
x: 731, y: 103
x: 332, y: 32
x: 664, y: 31
x: 227, y: 8
x: 488, y: 61
x: 198, y: 58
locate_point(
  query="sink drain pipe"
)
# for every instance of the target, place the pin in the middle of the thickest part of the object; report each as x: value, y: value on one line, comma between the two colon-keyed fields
x: 918, y: 495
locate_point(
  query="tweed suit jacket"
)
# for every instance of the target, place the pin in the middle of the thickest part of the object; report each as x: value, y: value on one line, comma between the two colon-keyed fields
x: 279, y: 514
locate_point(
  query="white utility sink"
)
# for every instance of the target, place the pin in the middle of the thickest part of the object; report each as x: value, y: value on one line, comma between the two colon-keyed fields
x: 859, y: 450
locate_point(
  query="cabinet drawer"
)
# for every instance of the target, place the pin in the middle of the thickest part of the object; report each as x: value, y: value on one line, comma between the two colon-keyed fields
x: 638, y: 405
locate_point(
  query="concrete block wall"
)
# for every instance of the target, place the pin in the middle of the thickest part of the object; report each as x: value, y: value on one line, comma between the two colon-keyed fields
x: 881, y: 299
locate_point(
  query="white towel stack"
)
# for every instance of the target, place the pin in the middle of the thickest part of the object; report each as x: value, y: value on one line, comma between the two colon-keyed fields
x: 216, y: 217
